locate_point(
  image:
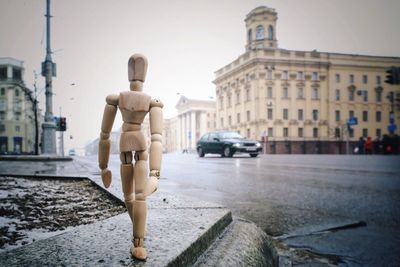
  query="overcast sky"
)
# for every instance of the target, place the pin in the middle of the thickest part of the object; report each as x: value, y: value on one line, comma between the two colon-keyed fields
x: 185, y: 41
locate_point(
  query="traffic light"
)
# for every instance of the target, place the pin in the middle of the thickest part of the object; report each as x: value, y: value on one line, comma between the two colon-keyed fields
x: 393, y: 75
x: 63, y: 124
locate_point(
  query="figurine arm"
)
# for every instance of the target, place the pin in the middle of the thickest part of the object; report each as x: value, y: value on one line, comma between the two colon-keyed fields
x: 110, y: 111
x: 156, y: 127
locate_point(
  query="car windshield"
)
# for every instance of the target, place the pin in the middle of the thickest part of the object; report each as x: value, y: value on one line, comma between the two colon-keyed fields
x: 230, y: 135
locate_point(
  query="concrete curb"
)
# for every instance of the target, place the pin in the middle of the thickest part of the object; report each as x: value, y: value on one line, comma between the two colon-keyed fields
x: 204, y: 234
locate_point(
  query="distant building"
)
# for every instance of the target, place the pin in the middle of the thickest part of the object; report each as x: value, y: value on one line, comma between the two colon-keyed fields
x: 17, y: 125
x: 195, y: 118
x: 300, y: 101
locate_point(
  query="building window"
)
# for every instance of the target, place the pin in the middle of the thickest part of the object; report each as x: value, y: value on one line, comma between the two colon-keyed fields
x: 365, y: 115
x: 351, y: 132
x: 314, y: 76
x: 16, y: 117
x: 229, y: 101
x: 285, y: 114
x: 247, y: 94
x: 238, y: 117
x: 365, y: 132
x: 17, y: 128
x: 300, y: 132
x: 285, y: 75
x: 300, y: 75
x: 285, y: 132
x: 269, y: 74
x: 378, y: 116
x: 269, y: 114
x: 3, y: 73
x: 229, y: 120
x: 248, y: 132
x: 337, y: 115
x: 17, y: 74
x: 300, y: 115
x: 365, y: 95
x: 270, y: 132
x: 237, y: 97
x: 249, y: 36
x: 351, y: 78
x: 16, y: 92
x: 300, y: 92
x: 315, y: 132
x: 259, y: 32
x: 351, y: 95
x: 351, y: 113
x: 378, y: 95
x: 285, y: 92
x: 248, y: 115
x: 378, y: 132
x: 337, y: 78
x: 378, y: 80
x: 337, y: 95
x: 3, y: 91
x: 365, y: 79
x: 247, y: 77
x: 2, y: 116
x: 314, y: 93
x: 270, y: 32
x: 315, y: 114
x: 269, y: 92
x: 337, y: 132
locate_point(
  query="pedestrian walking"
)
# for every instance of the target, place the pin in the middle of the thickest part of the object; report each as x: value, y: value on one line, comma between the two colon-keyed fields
x: 361, y: 145
x: 368, y: 146
x: 377, y: 145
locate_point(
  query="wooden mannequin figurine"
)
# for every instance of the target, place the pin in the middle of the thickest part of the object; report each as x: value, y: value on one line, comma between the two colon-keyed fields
x: 137, y: 182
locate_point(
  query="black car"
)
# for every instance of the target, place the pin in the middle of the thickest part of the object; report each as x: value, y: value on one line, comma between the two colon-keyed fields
x: 226, y: 144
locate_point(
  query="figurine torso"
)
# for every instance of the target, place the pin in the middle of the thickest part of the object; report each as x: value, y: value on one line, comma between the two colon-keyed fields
x: 134, y: 107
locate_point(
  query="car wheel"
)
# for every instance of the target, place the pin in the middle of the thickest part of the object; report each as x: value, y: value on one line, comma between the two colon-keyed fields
x: 227, y: 152
x: 200, y: 152
x: 253, y: 155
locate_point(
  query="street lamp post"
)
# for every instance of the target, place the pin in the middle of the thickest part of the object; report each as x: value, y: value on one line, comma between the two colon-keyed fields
x: 49, y: 71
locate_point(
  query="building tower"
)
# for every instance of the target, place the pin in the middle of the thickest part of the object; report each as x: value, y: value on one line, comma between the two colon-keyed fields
x: 261, y: 28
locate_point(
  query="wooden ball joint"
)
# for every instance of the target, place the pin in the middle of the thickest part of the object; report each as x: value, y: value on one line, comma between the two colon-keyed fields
x: 137, y: 181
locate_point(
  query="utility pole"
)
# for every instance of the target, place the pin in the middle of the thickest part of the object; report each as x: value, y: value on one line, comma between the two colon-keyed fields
x: 48, y: 71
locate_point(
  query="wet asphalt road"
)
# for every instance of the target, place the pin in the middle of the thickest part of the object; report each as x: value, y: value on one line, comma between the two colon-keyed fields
x: 342, y: 205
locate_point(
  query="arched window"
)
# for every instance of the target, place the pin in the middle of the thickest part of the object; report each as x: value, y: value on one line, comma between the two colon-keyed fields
x: 249, y: 37
x: 270, y: 32
x: 259, y: 32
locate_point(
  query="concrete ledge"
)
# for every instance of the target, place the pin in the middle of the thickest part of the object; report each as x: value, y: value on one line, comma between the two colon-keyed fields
x: 179, y: 231
x: 34, y: 158
x: 175, y: 238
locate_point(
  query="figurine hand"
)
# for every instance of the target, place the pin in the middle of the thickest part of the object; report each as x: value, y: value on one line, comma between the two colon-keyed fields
x: 106, y: 176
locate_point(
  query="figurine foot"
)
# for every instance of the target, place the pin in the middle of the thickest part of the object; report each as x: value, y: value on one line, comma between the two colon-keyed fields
x: 139, y: 253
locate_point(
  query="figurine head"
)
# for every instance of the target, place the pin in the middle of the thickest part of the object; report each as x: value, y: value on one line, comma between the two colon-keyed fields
x: 137, y: 68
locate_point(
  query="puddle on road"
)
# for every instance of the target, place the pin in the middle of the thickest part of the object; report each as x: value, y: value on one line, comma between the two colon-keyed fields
x: 34, y: 208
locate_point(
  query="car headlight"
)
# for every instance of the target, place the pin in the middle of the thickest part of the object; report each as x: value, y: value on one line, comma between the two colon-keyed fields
x: 236, y: 145
x: 258, y: 144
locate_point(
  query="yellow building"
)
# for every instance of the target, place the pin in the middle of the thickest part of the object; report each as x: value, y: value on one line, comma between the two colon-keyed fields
x: 300, y: 101
x: 17, y: 125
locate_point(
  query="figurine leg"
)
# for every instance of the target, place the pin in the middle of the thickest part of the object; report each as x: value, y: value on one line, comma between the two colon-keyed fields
x: 140, y: 206
x: 128, y: 186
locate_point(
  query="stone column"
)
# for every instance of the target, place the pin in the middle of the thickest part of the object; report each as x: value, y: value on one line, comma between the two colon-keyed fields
x: 178, y: 134
x: 193, y: 129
